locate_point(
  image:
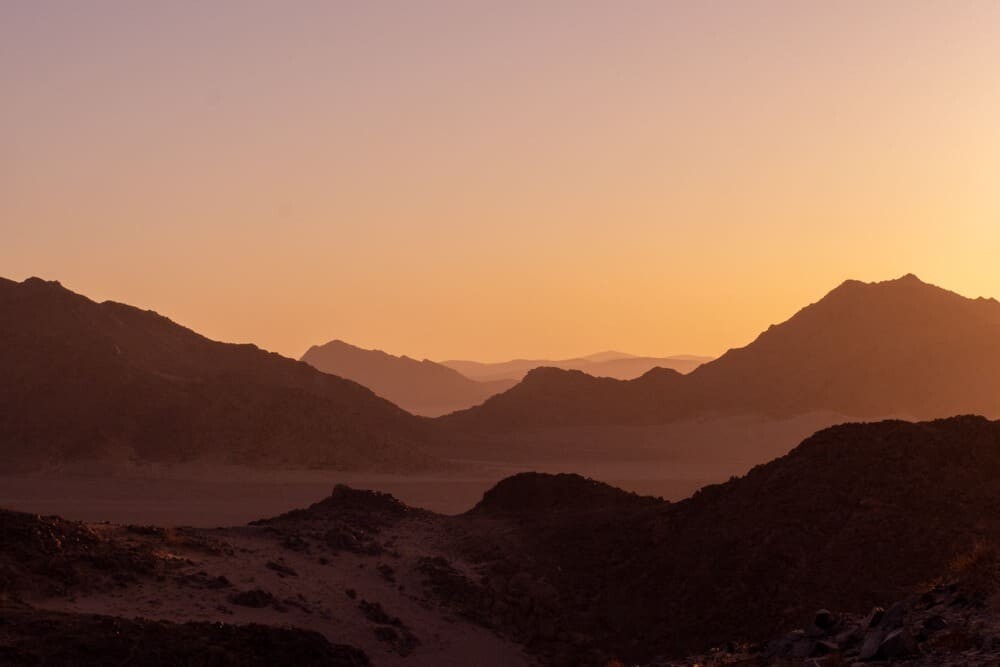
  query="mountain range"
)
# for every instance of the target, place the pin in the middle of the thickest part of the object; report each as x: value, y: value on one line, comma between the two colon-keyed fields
x: 866, y: 351
x: 610, y: 364
x: 108, y: 381
x: 421, y: 387
x: 86, y: 380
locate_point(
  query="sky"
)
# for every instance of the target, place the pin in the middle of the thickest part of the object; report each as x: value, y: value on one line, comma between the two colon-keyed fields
x: 500, y: 179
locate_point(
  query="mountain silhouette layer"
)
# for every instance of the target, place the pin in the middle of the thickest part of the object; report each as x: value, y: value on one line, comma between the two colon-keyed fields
x: 866, y: 350
x: 86, y: 380
x: 421, y: 387
x: 610, y: 364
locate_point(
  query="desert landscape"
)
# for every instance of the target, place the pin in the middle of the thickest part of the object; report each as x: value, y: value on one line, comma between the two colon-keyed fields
x: 551, y: 334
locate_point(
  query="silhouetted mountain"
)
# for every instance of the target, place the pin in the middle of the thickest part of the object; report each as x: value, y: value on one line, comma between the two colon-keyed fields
x: 875, y: 350
x: 610, y: 364
x: 84, y: 380
x: 557, y: 397
x: 422, y: 387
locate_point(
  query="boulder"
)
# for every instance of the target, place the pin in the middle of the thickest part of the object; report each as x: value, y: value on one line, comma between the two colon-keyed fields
x: 824, y: 619
x: 870, y: 645
x: 897, y: 644
x: 893, y: 618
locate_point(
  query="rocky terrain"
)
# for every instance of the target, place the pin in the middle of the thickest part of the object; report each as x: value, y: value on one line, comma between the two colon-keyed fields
x: 32, y: 637
x: 560, y: 569
x: 89, y: 381
x: 343, y: 582
x: 951, y: 624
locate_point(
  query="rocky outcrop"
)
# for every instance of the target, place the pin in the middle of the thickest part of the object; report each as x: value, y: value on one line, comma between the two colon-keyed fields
x: 347, y: 520
x: 949, y: 625
x: 51, y: 556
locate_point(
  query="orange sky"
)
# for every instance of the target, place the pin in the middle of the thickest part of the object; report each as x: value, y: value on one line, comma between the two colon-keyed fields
x: 489, y: 180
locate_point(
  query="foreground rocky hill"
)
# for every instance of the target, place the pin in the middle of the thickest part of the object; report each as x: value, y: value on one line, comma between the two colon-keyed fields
x: 106, y: 381
x: 559, y: 569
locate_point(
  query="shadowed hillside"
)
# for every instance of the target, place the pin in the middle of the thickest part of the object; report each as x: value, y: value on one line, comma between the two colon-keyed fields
x: 107, y: 381
x: 895, y: 348
x: 422, y: 387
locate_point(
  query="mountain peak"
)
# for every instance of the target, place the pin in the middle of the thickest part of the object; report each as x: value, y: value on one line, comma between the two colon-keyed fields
x: 546, y: 374
x: 35, y: 281
x: 909, y: 278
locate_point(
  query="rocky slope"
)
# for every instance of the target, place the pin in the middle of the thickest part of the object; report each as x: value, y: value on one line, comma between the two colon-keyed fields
x: 107, y: 381
x: 855, y: 516
x: 421, y: 387
x: 951, y: 624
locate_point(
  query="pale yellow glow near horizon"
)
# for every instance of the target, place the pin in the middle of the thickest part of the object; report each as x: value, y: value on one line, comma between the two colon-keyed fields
x: 497, y: 180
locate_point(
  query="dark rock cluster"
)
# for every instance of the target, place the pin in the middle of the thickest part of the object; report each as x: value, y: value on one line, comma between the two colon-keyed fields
x: 50, y: 555
x: 33, y: 637
x: 948, y: 625
x: 389, y: 629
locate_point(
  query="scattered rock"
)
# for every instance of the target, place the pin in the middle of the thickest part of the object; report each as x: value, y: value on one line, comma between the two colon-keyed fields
x: 374, y: 612
x: 36, y: 637
x: 282, y: 570
x: 256, y: 598
x: 387, y: 572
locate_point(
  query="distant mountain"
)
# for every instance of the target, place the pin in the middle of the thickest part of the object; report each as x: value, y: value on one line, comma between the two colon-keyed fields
x: 866, y: 350
x: 422, y: 387
x: 85, y: 380
x: 610, y: 364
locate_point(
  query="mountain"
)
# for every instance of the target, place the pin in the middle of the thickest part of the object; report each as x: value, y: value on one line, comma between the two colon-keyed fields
x: 856, y: 516
x: 866, y: 350
x: 610, y: 364
x: 107, y: 381
x: 421, y: 387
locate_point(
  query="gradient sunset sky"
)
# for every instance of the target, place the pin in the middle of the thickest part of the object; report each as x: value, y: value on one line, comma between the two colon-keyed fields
x: 497, y: 179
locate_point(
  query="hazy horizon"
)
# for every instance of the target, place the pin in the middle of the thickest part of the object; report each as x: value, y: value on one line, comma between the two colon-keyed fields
x: 513, y: 358
x: 491, y: 181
